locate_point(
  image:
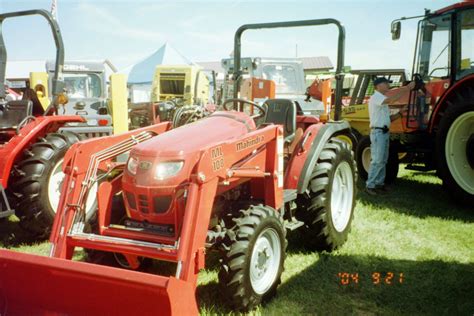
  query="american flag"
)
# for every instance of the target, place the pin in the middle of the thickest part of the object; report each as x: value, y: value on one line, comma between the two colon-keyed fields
x: 54, y: 9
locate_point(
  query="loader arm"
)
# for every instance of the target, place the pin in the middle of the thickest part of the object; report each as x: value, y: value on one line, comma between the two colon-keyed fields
x: 57, y: 79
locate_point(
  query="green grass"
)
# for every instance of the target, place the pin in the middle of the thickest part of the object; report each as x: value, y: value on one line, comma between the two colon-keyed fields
x: 415, y: 230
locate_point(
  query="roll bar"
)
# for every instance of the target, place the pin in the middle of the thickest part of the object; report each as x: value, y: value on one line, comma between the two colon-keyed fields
x: 340, y: 52
x: 57, y: 81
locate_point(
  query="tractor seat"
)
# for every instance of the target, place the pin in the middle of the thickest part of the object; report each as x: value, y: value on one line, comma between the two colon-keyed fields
x: 12, y: 113
x: 282, y: 112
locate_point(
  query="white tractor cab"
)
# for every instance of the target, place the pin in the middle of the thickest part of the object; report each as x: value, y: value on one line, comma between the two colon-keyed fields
x: 287, y: 74
x: 85, y: 83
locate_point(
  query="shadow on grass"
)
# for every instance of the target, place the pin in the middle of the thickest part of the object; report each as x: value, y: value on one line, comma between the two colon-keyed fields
x: 11, y: 234
x: 421, y: 199
x: 428, y: 287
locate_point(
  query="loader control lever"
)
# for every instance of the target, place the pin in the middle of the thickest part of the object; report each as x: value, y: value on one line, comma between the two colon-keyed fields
x: 240, y: 102
x: 419, y: 83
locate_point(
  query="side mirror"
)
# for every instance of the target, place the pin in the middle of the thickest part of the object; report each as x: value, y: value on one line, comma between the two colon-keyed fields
x: 396, y: 29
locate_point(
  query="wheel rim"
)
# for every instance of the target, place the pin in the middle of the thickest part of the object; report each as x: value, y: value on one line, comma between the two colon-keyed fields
x: 342, y: 193
x: 366, y: 159
x: 457, y: 151
x: 265, y: 260
x: 54, y: 190
x: 54, y: 185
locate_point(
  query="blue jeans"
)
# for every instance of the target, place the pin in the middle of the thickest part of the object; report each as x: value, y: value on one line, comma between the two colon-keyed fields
x: 379, y: 157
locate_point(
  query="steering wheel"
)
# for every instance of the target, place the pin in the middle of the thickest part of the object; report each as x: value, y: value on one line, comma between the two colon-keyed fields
x: 419, y: 83
x: 261, y: 109
x: 24, y: 122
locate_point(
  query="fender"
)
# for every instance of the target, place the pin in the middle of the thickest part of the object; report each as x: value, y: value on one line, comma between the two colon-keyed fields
x: 42, y: 125
x: 324, y: 134
x: 441, y: 105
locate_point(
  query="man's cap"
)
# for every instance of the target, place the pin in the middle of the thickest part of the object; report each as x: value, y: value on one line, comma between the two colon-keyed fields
x: 379, y: 80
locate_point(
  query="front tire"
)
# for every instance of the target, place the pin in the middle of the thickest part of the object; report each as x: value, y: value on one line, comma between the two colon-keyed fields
x: 455, y: 147
x: 327, y: 208
x: 33, y: 178
x: 252, y: 262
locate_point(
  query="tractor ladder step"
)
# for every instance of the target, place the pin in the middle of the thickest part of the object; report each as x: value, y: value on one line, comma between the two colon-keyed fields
x: 293, y: 224
x: 289, y: 195
x: 418, y: 167
x: 125, y: 246
x: 4, y: 213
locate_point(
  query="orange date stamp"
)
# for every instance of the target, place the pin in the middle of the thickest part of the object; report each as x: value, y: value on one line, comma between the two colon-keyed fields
x: 376, y: 278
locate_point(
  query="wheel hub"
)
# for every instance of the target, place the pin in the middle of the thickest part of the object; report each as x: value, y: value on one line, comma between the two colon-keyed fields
x: 265, y: 260
x: 459, y: 151
x: 366, y: 156
x: 470, y: 151
x: 262, y: 261
x: 342, y: 192
x: 55, y: 184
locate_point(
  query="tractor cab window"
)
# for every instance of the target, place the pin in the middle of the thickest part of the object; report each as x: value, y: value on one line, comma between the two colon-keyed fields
x: 82, y: 85
x: 465, y: 62
x: 434, y: 48
x: 284, y: 77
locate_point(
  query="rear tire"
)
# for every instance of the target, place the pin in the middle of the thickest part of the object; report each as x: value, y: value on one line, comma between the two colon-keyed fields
x: 253, y: 258
x: 327, y: 209
x: 455, y: 147
x: 33, y: 198
x: 363, y: 160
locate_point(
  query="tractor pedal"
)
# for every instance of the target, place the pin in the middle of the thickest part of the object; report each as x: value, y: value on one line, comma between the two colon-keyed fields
x: 7, y: 213
x: 294, y: 224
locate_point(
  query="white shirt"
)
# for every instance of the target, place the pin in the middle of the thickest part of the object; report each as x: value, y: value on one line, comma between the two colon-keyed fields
x: 379, y: 113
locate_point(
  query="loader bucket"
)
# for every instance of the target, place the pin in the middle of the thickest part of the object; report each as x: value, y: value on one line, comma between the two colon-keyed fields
x: 36, y: 285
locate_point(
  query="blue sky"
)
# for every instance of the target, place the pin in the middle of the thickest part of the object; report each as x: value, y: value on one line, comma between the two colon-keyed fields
x: 127, y: 31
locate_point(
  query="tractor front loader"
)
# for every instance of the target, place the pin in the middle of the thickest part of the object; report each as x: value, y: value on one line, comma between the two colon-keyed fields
x: 230, y: 183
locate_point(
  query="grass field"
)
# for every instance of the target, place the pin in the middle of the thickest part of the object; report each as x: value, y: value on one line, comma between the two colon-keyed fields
x: 415, y: 230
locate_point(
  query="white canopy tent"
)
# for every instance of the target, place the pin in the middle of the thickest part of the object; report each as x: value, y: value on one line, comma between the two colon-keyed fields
x: 140, y: 75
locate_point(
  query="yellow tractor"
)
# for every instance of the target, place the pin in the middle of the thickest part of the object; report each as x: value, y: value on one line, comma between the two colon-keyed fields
x: 180, y: 94
x: 185, y: 84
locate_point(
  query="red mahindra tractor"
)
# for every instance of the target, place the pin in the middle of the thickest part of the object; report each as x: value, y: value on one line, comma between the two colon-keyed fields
x: 223, y: 183
x: 436, y: 128
x: 32, y: 147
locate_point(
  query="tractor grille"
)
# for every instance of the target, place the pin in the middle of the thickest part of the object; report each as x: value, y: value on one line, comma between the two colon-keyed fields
x: 132, y: 202
x: 161, y: 204
x: 155, y: 205
x: 93, y: 135
x: 143, y: 204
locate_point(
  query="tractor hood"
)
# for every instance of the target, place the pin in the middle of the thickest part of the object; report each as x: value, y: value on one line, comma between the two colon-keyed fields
x: 168, y: 159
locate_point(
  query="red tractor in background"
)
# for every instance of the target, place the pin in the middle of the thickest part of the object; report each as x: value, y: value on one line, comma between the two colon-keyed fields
x: 31, y: 147
x: 432, y: 128
x: 437, y: 127
x: 232, y: 183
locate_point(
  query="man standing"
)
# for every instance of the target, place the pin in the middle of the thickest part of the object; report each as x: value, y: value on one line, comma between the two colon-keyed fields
x: 379, y: 114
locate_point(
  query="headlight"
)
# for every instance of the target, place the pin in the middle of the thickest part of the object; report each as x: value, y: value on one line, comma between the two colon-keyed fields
x: 92, y: 122
x: 132, y: 165
x: 168, y: 169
